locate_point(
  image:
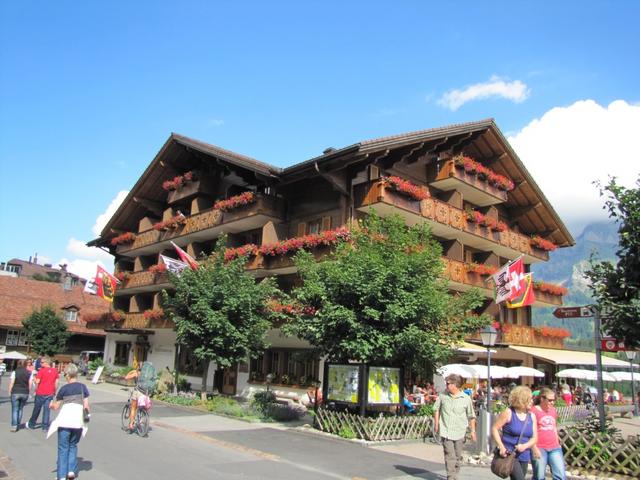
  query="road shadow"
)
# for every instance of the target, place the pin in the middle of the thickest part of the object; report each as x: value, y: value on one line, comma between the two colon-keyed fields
x: 84, y: 465
x: 419, y: 473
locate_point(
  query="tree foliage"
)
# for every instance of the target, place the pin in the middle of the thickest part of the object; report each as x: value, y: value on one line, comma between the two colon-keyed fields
x: 218, y: 310
x: 46, y: 331
x: 381, y: 298
x: 616, y: 287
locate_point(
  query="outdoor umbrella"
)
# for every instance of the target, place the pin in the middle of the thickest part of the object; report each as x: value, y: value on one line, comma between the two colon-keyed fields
x: 496, y: 371
x: 465, y: 371
x: 580, y: 374
x: 516, y: 372
x: 626, y: 376
x: 13, y: 355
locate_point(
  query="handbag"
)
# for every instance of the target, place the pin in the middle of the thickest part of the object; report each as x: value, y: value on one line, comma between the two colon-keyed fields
x: 503, y: 466
x: 86, y: 415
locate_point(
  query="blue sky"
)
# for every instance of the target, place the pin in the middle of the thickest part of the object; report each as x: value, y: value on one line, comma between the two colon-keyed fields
x: 89, y: 92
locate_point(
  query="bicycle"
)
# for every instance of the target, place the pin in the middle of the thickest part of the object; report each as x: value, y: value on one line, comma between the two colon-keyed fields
x: 141, y: 422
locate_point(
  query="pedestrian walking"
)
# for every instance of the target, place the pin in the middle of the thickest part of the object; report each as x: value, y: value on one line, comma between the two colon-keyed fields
x: 453, y: 414
x: 19, y: 388
x: 72, y: 400
x: 47, y: 384
x: 519, y: 432
x: 547, y: 451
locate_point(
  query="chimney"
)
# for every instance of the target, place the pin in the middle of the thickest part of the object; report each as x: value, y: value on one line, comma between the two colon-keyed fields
x: 35, y: 258
x: 29, y: 258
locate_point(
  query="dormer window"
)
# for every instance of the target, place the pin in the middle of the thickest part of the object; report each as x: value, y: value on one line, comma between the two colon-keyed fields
x: 71, y: 314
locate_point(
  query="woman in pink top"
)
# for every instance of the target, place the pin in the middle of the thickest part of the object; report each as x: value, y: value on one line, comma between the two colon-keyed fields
x: 547, y: 450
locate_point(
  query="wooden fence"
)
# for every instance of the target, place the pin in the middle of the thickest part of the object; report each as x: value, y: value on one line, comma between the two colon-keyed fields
x: 374, y: 429
x: 574, y: 413
x: 601, y: 453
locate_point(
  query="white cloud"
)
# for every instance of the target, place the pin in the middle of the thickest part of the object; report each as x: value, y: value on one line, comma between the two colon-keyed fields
x: 215, y: 122
x: 569, y: 148
x: 497, y: 87
x: 84, y: 268
x: 102, y: 220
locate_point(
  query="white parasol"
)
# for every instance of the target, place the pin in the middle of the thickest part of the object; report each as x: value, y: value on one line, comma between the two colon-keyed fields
x: 517, y: 372
x: 13, y: 355
x: 581, y: 374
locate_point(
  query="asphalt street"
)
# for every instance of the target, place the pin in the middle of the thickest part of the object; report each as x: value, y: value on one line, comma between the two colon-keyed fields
x: 188, y: 444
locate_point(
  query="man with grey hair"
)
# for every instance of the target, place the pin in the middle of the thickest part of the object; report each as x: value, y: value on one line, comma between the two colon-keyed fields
x: 453, y: 413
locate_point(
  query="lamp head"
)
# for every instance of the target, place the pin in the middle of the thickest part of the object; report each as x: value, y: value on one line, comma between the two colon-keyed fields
x: 631, y: 354
x: 488, y: 335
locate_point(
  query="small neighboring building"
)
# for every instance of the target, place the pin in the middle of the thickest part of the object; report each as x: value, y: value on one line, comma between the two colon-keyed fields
x: 32, y: 269
x: 20, y: 296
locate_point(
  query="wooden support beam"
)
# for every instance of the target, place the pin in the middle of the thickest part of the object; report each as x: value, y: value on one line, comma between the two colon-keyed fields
x: 153, y: 205
x: 548, y: 233
x: 409, y: 154
x: 337, y: 181
x: 493, y: 160
x: 519, y: 212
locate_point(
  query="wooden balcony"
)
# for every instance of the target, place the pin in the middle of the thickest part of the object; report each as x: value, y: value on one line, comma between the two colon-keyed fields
x: 145, y: 281
x: 208, y: 225
x: 462, y: 280
x: 188, y: 190
x: 474, y: 190
x: 136, y: 321
x: 527, y: 336
x: 446, y: 221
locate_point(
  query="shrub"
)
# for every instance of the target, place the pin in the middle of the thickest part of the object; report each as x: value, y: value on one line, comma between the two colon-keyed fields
x: 426, y: 410
x: 226, y: 406
x: 261, y: 400
x: 347, y: 432
x: 94, y: 364
x: 284, y: 413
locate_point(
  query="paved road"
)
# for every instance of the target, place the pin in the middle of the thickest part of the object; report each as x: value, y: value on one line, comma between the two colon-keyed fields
x: 187, y: 444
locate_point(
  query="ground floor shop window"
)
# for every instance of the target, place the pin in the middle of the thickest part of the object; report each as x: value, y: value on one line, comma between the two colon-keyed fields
x: 122, y: 353
x: 286, y: 367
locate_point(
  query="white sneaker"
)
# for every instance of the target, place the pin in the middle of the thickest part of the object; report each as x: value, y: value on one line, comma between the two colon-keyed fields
x: 71, y: 475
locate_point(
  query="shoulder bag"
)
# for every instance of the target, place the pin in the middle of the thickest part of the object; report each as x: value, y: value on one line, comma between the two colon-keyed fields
x: 503, y: 466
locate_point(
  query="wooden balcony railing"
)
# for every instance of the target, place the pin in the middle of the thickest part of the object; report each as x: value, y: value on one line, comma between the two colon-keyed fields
x: 137, y: 321
x: 139, y: 281
x: 527, y: 336
x: 446, y: 221
x: 476, y: 191
x: 257, y: 214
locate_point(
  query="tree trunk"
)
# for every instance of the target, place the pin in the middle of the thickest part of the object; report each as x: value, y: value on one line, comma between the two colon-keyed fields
x: 205, y: 374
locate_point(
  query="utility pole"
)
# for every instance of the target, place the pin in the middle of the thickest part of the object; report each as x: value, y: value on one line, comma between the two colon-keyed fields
x: 599, y: 383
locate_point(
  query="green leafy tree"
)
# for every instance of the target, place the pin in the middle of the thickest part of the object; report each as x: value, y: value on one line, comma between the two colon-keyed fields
x: 46, y: 331
x: 616, y: 287
x: 218, y: 311
x: 381, y: 298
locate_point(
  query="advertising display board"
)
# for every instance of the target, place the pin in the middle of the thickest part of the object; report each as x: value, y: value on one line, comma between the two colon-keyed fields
x: 342, y: 383
x: 383, y: 386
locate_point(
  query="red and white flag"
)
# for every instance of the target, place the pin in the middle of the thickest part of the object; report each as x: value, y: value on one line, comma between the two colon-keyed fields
x: 523, y: 295
x: 185, y: 257
x: 508, y: 280
x: 105, y: 284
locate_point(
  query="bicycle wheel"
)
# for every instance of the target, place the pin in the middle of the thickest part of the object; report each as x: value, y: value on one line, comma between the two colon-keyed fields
x: 125, y: 416
x: 142, y: 422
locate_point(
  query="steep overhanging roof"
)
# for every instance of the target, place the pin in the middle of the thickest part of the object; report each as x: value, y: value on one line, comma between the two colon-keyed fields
x: 481, y: 139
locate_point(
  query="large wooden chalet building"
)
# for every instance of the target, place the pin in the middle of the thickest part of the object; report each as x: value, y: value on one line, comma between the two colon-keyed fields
x: 482, y: 205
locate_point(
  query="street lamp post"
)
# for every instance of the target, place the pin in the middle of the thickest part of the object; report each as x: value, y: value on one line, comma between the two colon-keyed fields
x: 631, y: 355
x: 488, y: 335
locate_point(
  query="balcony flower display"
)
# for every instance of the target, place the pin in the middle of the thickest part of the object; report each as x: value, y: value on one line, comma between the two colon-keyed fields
x: 177, y: 181
x: 483, y: 173
x: 153, y: 314
x: 126, y: 237
x: 550, y: 288
x: 173, y: 222
x: 122, y: 275
x: 243, y: 251
x: 543, y: 244
x: 491, y: 223
x: 407, y: 188
x: 158, y: 268
x: 481, y: 269
x: 289, y: 309
x: 326, y: 238
x: 552, y: 332
x: 236, y: 201
x: 112, y: 316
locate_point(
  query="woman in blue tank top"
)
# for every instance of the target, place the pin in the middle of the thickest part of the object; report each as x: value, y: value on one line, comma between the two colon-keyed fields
x: 514, y: 422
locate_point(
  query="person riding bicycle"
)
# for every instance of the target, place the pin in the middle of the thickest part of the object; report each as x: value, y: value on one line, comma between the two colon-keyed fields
x: 145, y: 383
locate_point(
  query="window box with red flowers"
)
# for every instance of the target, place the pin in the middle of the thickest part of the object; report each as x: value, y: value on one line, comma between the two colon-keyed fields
x: 236, y: 201
x: 491, y: 223
x: 550, y: 288
x: 178, y: 181
x: 171, y: 223
x: 123, y: 276
x: 158, y: 268
x: 469, y: 165
x: 407, y: 188
x: 552, y: 332
x: 481, y: 269
x: 244, y: 251
x: 127, y: 237
x: 292, y: 245
x: 153, y: 314
x: 543, y: 244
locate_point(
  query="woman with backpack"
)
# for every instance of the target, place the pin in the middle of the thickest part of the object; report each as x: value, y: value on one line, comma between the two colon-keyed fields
x: 145, y: 382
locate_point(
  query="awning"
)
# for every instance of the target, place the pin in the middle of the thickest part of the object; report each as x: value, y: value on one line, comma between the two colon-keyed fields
x: 471, y: 348
x: 569, y: 357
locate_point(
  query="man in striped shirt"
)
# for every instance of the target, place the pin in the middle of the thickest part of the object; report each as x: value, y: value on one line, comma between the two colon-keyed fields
x: 453, y: 414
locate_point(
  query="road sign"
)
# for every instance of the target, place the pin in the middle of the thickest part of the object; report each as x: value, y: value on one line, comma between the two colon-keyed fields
x: 611, y: 344
x: 573, y: 312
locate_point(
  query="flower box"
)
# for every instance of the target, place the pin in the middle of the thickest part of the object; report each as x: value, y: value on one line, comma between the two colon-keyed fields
x: 407, y: 188
x: 542, y: 244
x: 178, y: 181
x: 124, y: 238
x: 236, y: 201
